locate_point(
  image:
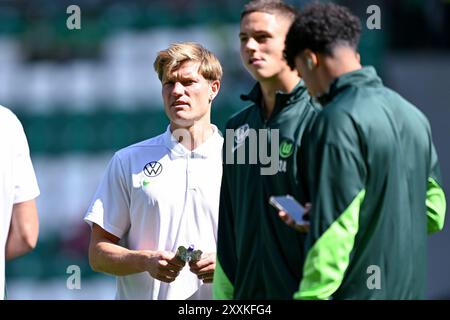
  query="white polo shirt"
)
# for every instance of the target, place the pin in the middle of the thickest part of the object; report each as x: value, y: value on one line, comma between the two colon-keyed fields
x: 158, y: 195
x: 17, y: 178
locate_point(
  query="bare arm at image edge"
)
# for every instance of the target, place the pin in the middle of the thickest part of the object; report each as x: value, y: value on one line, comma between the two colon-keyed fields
x: 23, y: 231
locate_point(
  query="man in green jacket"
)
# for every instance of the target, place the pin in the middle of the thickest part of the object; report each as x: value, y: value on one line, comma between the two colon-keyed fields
x: 258, y: 256
x: 373, y: 175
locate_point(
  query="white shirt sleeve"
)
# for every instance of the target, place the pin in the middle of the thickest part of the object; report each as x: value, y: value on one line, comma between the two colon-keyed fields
x: 110, y: 207
x: 24, y: 177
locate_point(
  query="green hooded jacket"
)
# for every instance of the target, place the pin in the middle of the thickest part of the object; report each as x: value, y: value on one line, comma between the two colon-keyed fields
x: 373, y: 179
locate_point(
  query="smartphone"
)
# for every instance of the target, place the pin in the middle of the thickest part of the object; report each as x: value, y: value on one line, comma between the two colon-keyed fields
x: 288, y: 204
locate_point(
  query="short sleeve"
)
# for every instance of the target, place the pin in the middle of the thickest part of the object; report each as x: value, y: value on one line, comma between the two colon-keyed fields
x: 110, y: 206
x: 24, y: 177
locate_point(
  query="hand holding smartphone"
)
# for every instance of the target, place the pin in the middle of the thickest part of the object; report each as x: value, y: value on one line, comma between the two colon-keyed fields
x: 295, y: 210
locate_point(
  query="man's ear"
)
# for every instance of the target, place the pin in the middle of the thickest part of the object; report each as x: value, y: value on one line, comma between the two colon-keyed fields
x: 214, y: 89
x: 311, y: 59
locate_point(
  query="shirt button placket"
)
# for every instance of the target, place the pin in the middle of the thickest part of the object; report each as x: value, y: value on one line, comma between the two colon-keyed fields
x: 190, y: 172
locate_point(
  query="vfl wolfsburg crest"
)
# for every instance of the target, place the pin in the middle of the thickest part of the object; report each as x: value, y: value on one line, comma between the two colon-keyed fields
x: 286, y: 149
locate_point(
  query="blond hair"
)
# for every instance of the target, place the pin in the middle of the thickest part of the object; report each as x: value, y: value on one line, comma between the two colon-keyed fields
x: 170, y: 59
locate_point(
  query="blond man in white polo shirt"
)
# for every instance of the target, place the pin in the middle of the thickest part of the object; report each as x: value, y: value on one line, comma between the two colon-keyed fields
x: 163, y: 193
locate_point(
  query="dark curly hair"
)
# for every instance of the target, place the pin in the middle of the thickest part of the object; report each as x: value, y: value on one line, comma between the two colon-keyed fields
x: 321, y: 27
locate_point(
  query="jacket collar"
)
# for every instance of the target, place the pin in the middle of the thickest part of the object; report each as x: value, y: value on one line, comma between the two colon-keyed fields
x: 281, y: 98
x: 366, y: 76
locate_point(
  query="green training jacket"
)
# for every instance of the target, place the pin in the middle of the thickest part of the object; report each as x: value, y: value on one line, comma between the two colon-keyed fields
x: 374, y: 182
x: 258, y: 256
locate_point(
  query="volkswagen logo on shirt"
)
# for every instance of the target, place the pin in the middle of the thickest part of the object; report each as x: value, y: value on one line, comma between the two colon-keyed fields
x: 240, y: 134
x: 153, y: 169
